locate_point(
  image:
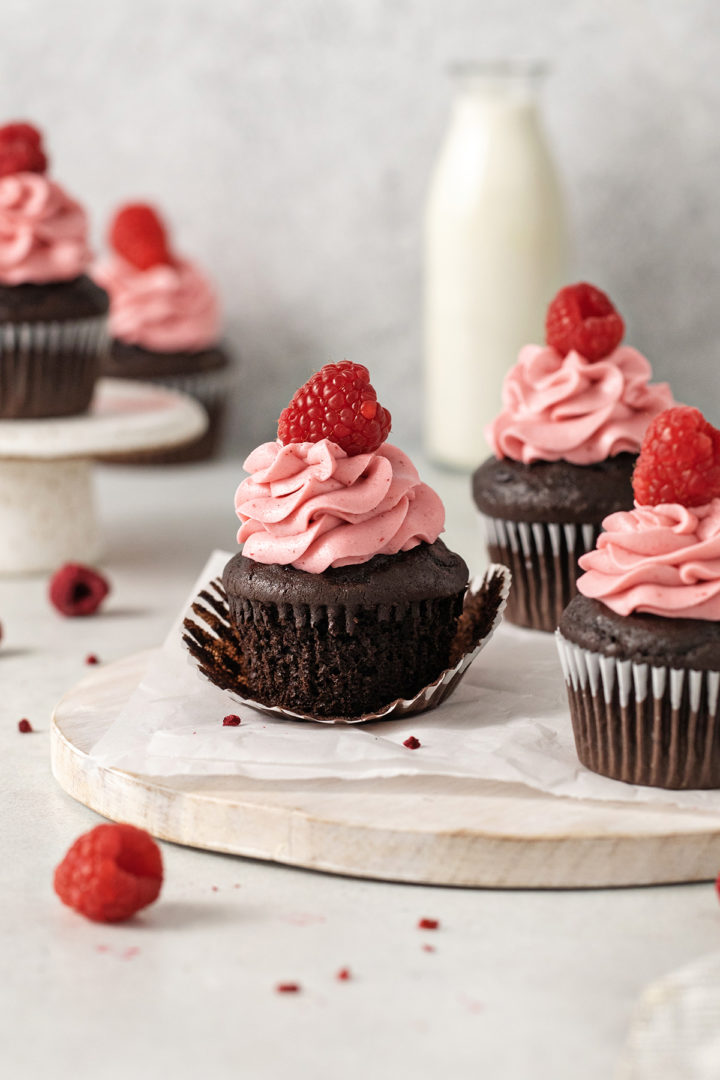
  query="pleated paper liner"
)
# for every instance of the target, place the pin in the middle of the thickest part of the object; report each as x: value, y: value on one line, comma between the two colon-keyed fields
x: 543, y: 559
x: 215, y: 649
x: 657, y: 726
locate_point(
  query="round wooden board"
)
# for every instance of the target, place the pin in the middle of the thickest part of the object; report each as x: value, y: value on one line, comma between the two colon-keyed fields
x: 415, y: 829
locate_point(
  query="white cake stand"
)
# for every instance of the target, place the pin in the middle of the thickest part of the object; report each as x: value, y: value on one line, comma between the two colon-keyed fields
x: 47, y: 506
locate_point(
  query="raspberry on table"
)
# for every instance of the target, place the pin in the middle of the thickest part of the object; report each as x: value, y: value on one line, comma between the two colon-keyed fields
x: 24, y: 726
x: 138, y: 234
x: 336, y: 403
x: 679, y: 460
x: 582, y: 318
x: 110, y: 873
x: 77, y: 590
x: 231, y: 720
x: 412, y: 743
x: 21, y: 149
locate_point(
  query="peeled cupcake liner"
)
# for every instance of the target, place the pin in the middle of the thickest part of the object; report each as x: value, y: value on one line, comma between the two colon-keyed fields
x: 542, y: 557
x: 49, y: 368
x: 644, y: 724
x: 214, y: 649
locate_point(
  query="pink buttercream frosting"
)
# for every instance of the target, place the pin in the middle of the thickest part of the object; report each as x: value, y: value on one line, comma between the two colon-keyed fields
x: 661, y: 560
x: 310, y: 506
x: 43, y: 232
x: 168, y: 308
x: 570, y: 409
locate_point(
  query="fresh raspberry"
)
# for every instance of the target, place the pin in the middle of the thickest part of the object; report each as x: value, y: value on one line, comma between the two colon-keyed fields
x: 412, y: 743
x: 231, y: 720
x: 77, y: 589
x: 428, y: 924
x: 21, y: 149
x: 679, y: 460
x: 24, y: 726
x: 583, y: 318
x: 139, y: 236
x: 336, y: 403
x: 110, y: 873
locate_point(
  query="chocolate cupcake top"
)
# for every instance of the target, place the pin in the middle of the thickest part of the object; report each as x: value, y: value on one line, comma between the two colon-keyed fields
x: 158, y: 301
x: 43, y: 230
x: 581, y: 398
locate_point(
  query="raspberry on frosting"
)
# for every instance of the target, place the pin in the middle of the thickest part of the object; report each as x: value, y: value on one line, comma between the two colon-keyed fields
x: 139, y: 235
x: 337, y: 403
x: 679, y: 460
x: 21, y: 149
x: 583, y: 319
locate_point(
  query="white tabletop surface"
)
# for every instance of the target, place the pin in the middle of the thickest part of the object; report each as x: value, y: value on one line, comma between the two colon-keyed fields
x: 522, y: 985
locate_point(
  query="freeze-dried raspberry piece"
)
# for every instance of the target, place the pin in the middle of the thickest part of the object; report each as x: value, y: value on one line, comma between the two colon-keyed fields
x: 77, y: 590
x: 583, y: 318
x: 110, y: 873
x: 24, y: 726
x: 412, y: 743
x: 679, y: 460
x: 336, y: 403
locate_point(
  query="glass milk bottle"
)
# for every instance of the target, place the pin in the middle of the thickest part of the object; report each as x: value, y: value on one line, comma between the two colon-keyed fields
x: 495, y: 254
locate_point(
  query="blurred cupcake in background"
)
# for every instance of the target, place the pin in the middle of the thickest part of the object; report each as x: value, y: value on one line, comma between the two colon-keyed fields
x: 164, y: 323
x: 53, y: 318
x: 574, y: 414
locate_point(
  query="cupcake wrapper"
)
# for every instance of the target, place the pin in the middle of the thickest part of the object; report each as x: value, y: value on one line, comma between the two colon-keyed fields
x: 658, y: 726
x: 542, y: 558
x: 50, y: 368
x: 208, y: 387
x: 213, y: 648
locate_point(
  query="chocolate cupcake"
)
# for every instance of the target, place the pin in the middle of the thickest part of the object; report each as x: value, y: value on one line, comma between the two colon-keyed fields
x: 53, y: 318
x: 165, y: 325
x: 565, y: 444
x: 343, y: 598
x: 640, y: 645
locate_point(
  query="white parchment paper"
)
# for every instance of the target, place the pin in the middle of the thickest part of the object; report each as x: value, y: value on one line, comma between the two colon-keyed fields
x: 508, y: 721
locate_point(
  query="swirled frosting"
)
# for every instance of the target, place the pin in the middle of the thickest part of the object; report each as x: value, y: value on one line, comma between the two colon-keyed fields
x: 168, y: 308
x: 310, y: 506
x: 660, y: 560
x: 43, y: 231
x: 568, y: 408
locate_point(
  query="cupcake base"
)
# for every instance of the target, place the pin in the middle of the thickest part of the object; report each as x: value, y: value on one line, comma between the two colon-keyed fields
x: 52, y: 341
x: 644, y: 695
x: 348, y: 641
x: 539, y: 519
x: 203, y: 375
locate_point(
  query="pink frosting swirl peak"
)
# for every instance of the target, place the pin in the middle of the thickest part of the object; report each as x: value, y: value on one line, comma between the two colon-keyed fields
x: 661, y: 560
x: 571, y: 409
x: 43, y: 232
x: 171, y: 307
x: 310, y: 506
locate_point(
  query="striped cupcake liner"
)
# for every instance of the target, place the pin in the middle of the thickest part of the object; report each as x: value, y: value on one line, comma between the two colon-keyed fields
x: 542, y: 558
x: 644, y: 724
x: 50, y: 368
x: 210, y: 388
x: 214, y: 649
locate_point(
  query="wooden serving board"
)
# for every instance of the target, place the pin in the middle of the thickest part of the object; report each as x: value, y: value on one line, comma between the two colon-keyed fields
x: 415, y: 829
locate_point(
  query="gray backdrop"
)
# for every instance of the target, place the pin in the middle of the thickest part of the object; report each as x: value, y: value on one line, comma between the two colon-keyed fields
x: 291, y: 141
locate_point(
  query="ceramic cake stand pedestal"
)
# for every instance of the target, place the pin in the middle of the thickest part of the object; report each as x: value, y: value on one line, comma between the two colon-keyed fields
x: 47, y: 506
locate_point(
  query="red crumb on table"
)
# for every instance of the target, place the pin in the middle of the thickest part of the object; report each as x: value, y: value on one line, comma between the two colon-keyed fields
x: 287, y: 988
x: 130, y: 953
x: 343, y: 975
x: 24, y: 726
x: 77, y: 590
x: 428, y: 948
x: 110, y: 873
x: 91, y: 658
x: 231, y: 720
x: 412, y: 743
x: 428, y: 924
x: 215, y: 888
